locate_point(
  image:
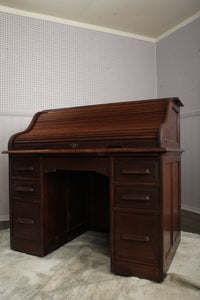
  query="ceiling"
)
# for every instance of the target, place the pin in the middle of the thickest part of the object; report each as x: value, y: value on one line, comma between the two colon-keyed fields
x: 148, y: 18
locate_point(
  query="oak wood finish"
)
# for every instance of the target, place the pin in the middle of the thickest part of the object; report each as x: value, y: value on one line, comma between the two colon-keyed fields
x: 111, y: 167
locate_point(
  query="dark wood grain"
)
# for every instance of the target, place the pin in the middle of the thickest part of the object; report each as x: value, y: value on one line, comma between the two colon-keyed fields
x: 117, y: 123
x: 190, y: 222
x: 110, y: 167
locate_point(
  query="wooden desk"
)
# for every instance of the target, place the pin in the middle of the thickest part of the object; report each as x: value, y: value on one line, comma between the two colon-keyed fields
x: 112, y: 167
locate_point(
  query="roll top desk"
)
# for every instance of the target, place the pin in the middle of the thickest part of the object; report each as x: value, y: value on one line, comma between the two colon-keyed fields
x: 110, y: 167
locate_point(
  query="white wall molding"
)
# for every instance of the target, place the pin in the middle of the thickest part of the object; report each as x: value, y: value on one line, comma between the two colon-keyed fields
x: 190, y: 114
x: 74, y: 23
x: 16, y: 114
x: 180, y: 25
x: 95, y: 27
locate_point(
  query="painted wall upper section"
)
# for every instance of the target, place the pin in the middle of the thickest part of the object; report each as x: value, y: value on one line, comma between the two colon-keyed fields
x: 48, y: 65
x: 178, y: 66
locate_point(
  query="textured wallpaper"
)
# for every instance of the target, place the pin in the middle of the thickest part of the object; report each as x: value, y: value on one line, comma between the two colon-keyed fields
x: 178, y: 62
x: 178, y: 66
x: 47, y: 65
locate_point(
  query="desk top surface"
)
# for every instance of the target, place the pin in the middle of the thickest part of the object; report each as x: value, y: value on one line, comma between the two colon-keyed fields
x: 91, y: 151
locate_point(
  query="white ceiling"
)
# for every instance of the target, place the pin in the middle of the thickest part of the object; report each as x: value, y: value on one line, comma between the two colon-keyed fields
x: 149, y: 18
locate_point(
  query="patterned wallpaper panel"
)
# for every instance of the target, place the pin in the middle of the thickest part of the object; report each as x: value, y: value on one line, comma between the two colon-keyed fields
x: 49, y: 65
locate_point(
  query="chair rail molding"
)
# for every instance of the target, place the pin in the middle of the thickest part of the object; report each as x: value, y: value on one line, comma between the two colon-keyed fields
x: 190, y: 114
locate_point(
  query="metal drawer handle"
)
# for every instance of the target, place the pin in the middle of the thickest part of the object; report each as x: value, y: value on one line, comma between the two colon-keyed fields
x: 136, y: 238
x: 24, y: 189
x: 133, y: 197
x: 135, y: 171
x: 25, y: 221
x: 31, y: 168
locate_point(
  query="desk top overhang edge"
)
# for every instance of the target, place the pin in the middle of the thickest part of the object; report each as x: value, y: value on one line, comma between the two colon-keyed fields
x: 92, y: 151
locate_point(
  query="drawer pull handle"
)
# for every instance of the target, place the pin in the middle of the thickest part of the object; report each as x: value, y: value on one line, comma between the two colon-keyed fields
x: 135, y: 197
x: 24, y: 189
x: 25, y: 221
x: 135, y: 171
x: 136, y: 238
x: 25, y: 168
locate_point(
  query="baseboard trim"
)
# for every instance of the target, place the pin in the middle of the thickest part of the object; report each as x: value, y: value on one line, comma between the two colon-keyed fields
x: 195, y: 210
x: 4, y: 218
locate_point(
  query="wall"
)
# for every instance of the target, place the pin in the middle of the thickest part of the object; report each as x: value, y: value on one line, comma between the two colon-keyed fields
x: 49, y: 65
x: 178, y: 74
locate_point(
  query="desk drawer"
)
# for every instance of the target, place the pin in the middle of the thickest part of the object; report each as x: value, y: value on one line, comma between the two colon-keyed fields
x: 136, y: 237
x: 139, y: 170
x: 28, y: 190
x: 26, y: 221
x: 136, y: 197
x: 25, y: 167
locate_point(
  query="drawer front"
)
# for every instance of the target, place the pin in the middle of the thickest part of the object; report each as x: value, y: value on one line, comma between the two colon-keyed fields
x: 25, y: 167
x: 26, y: 221
x: 139, y: 170
x: 136, y: 237
x: 30, y: 191
x: 137, y: 197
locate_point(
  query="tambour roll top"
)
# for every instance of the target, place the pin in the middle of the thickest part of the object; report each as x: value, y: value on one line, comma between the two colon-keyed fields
x: 134, y: 124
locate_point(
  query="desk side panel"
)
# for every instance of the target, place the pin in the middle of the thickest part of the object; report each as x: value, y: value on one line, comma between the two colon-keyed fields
x: 171, y: 207
x: 170, y: 130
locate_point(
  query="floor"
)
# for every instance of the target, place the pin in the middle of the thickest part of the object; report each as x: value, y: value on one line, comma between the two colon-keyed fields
x: 190, y: 222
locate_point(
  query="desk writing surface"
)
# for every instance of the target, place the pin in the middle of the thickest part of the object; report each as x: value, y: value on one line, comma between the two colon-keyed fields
x: 95, y: 151
x: 111, y: 167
